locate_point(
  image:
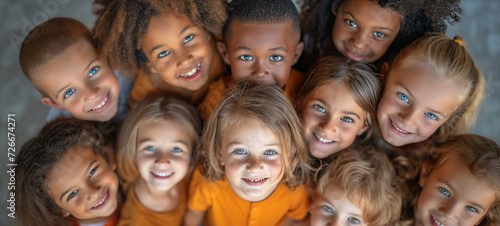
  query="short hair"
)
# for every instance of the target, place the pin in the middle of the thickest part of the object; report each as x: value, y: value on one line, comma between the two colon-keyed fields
x: 39, y: 155
x: 481, y: 155
x: 269, y: 105
x: 154, y: 108
x: 358, y: 78
x: 449, y: 59
x: 263, y: 12
x: 367, y: 179
x: 48, y: 40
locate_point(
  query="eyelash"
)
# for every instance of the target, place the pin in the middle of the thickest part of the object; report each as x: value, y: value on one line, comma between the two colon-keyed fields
x: 272, y: 58
x: 444, y: 191
x: 328, y: 209
x: 245, y: 58
x: 270, y: 152
x: 347, y: 119
x: 351, y: 23
x: 319, y: 108
x: 93, y: 71
x: 68, y: 93
x: 403, y: 97
x: 176, y: 150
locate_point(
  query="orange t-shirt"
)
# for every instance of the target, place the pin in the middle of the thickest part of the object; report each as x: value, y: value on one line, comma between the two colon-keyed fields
x: 112, y: 220
x: 134, y: 213
x: 143, y: 86
x: 224, y: 207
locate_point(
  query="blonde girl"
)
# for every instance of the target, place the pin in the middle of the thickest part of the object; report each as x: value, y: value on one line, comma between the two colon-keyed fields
x: 255, y: 159
x: 432, y: 90
x: 358, y: 187
x: 338, y: 103
x: 65, y: 176
x: 156, y: 149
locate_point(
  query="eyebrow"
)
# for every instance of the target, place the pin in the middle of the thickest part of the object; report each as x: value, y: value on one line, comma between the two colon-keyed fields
x: 381, y: 28
x: 344, y: 112
x: 279, y: 48
x: 65, y: 87
x: 180, y: 33
x: 236, y: 142
x: 88, y: 168
x: 175, y: 141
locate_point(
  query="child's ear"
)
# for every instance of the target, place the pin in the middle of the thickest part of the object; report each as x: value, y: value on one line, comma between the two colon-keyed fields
x: 361, y: 130
x: 151, y: 68
x: 221, y: 47
x: 424, y: 174
x: 298, y: 52
x: 65, y: 213
x: 49, y: 102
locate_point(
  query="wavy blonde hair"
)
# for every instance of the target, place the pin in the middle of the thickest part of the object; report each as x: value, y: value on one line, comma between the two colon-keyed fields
x: 449, y: 59
x: 269, y: 105
x: 153, y: 109
x: 368, y: 180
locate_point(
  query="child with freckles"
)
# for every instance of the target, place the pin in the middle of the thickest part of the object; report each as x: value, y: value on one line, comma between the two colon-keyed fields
x: 170, y: 45
x: 261, y: 43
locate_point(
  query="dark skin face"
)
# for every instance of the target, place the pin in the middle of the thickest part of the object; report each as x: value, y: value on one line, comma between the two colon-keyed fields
x: 263, y: 53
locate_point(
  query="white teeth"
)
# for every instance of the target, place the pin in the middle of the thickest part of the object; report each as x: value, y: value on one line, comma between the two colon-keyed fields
x: 322, y: 139
x: 256, y: 180
x: 437, y: 222
x: 163, y: 174
x: 102, y: 200
x: 101, y: 104
x: 192, y: 72
x: 398, y: 129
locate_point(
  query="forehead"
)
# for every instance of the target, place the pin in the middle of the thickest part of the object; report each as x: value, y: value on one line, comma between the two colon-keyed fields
x: 337, y: 95
x: 261, y: 34
x: 164, y: 130
x: 371, y: 11
x: 71, y: 167
x: 167, y: 24
x: 247, y: 129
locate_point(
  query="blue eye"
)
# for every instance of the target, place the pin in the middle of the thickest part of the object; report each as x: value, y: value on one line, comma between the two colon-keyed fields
x: 176, y: 150
x: 163, y: 54
x: 431, y: 116
x: 346, y: 119
x: 276, y: 58
x: 471, y: 208
x: 354, y: 220
x: 149, y: 148
x: 93, y: 71
x: 351, y: 23
x: 246, y: 58
x: 72, y: 194
x: 327, y: 209
x: 188, y: 38
x: 69, y: 93
x: 240, y: 151
x: 378, y: 34
x: 92, y: 172
x: 270, y: 152
x: 444, y: 191
x: 319, y: 108
x: 404, y: 97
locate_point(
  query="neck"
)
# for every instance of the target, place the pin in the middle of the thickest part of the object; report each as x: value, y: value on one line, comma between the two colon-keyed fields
x: 157, y: 200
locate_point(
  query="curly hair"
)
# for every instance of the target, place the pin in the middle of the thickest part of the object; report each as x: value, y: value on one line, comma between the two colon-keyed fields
x: 268, y: 104
x: 449, y: 59
x: 39, y: 155
x: 153, y: 108
x: 262, y: 12
x: 418, y: 18
x: 121, y: 25
x: 48, y: 40
x: 367, y: 179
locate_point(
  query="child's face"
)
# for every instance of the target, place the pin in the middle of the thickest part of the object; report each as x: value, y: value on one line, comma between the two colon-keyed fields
x: 332, y: 119
x: 80, y: 82
x: 363, y: 30
x: 251, y: 156
x: 84, y: 185
x: 178, y: 51
x: 334, y: 208
x: 452, y: 195
x: 415, y: 103
x: 163, y: 154
x: 263, y: 53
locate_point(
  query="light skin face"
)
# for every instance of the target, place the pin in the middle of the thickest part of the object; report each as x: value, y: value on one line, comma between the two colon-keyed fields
x: 452, y: 195
x: 251, y: 156
x: 84, y: 185
x: 262, y: 53
x: 80, y: 82
x: 332, y: 119
x: 178, y: 51
x: 163, y: 154
x: 363, y: 30
x: 334, y: 208
x: 415, y: 103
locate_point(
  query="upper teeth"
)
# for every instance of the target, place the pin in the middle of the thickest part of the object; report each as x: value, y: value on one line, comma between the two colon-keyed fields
x: 437, y: 222
x: 102, y: 200
x: 397, y: 128
x: 163, y: 174
x: 101, y: 104
x: 256, y: 180
x: 192, y: 72
x: 322, y: 139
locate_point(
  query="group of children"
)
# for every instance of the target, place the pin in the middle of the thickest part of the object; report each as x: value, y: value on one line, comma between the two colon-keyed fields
x: 249, y: 113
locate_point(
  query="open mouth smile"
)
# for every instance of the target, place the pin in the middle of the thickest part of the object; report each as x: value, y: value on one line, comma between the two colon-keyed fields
x: 255, y: 182
x: 192, y: 71
x: 161, y: 175
x: 437, y: 222
x: 321, y: 139
x: 102, y: 202
x: 102, y: 104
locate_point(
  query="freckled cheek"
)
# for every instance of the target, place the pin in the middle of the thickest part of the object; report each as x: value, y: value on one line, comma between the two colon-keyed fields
x: 274, y: 166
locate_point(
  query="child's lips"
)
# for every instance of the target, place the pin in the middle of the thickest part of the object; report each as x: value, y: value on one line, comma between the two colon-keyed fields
x: 102, y: 201
x: 193, y: 73
x: 162, y: 175
x: 102, y: 105
x: 354, y: 56
x: 322, y: 139
x: 255, y: 181
x: 398, y: 130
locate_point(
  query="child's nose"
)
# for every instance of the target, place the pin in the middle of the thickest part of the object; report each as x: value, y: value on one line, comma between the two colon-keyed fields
x: 451, y: 210
x: 409, y: 117
x: 162, y: 159
x: 254, y: 164
x: 260, y: 69
x: 91, y: 92
x: 330, y: 124
x: 93, y: 191
x: 359, y: 40
x: 184, y: 57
